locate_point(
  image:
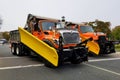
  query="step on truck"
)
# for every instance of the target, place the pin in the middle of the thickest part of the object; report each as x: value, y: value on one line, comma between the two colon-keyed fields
x: 50, y: 40
x: 99, y: 45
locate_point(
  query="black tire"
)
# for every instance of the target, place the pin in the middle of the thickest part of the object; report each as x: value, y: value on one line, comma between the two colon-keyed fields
x: 26, y: 51
x: 13, y: 49
x: 49, y: 43
x: 19, y: 49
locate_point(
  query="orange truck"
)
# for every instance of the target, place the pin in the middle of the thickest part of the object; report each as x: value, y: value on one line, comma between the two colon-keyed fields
x: 99, y: 45
x: 50, y: 40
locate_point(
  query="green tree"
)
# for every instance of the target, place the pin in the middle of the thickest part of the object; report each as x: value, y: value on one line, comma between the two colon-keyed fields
x: 101, y: 26
x: 6, y: 35
x: 116, y: 33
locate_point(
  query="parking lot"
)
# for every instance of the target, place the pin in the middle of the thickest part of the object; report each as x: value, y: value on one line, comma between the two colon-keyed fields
x: 104, y: 67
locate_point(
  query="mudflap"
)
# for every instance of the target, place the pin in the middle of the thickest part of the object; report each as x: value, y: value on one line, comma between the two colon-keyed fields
x: 92, y: 46
x: 38, y: 46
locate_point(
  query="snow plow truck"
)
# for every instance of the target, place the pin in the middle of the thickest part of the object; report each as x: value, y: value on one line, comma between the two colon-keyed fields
x: 99, y: 45
x: 50, y: 40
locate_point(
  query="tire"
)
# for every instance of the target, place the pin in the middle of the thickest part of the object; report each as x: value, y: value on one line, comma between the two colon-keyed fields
x: 49, y: 43
x: 13, y: 49
x: 19, y: 49
x: 27, y: 52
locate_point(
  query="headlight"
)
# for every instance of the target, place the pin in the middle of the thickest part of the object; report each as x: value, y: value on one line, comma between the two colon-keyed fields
x: 80, y: 40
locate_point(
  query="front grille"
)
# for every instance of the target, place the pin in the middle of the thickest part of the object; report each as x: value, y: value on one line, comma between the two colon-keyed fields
x: 70, y: 38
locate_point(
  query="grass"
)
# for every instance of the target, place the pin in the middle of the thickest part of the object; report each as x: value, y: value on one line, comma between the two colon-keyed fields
x: 117, y: 47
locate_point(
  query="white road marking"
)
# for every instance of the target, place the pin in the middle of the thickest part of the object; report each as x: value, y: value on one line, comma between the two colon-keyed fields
x: 95, y: 60
x: 37, y: 65
x: 16, y: 67
x: 103, y: 69
x: 9, y: 57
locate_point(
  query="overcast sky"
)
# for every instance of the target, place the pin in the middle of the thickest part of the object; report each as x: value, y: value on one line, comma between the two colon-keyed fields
x: 14, y: 12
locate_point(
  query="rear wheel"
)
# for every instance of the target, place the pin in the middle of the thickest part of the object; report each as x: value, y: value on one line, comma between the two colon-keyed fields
x: 19, y: 49
x: 13, y: 49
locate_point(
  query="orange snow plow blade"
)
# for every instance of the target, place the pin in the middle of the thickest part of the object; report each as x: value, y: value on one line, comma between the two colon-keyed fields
x: 40, y: 47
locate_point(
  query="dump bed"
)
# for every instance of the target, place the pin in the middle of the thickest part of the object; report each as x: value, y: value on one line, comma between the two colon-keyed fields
x: 35, y: 44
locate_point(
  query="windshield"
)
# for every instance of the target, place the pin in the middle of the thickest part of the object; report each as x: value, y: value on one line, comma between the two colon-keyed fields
x: 51, y: 25
x: 85, y: 29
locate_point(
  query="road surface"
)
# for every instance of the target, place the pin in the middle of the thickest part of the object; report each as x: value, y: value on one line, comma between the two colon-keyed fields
x: 106, y: 67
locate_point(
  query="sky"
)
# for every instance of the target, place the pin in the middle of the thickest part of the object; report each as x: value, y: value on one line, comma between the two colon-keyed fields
x: 14, y: 12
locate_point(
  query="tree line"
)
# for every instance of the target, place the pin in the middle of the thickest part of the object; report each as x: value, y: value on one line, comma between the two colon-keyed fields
x: 5, y: 34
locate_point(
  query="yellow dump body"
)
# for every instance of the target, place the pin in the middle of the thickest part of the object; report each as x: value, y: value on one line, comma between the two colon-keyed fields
x: 92, y: 46
x: 40, y: 47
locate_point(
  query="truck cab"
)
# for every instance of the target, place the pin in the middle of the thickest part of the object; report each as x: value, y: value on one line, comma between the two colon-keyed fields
x: 51, y: 30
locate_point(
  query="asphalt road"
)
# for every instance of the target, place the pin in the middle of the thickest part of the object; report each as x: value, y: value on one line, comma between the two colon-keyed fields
x: 106, y: 67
